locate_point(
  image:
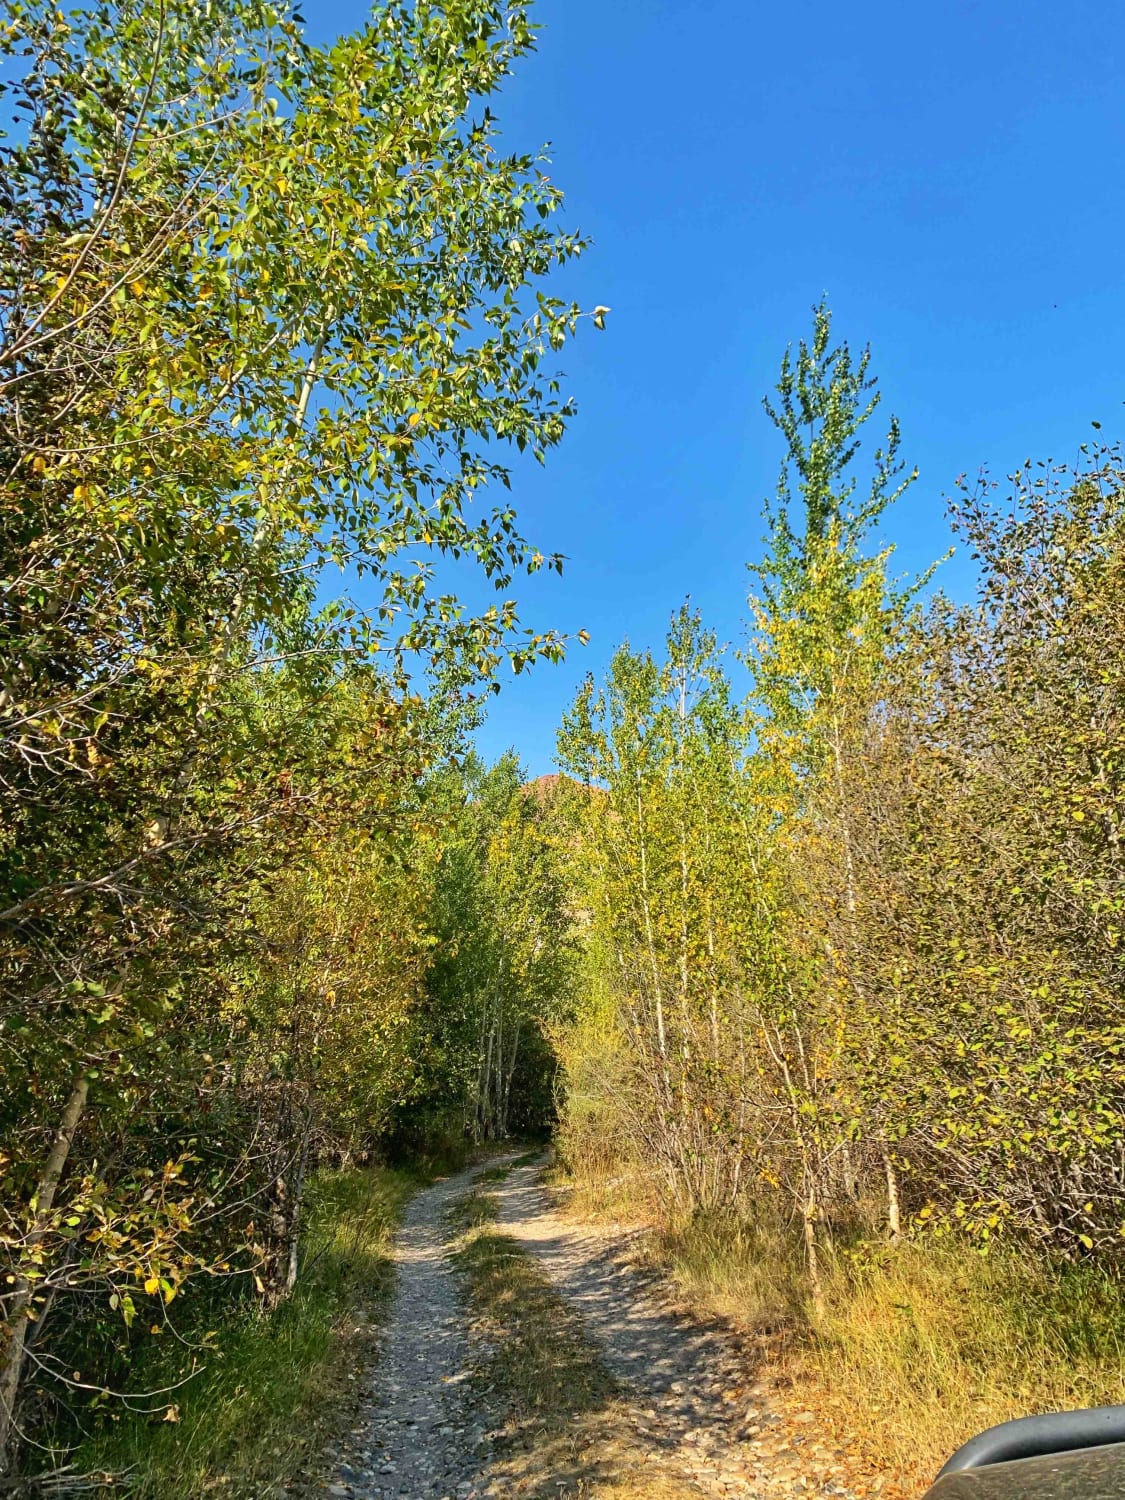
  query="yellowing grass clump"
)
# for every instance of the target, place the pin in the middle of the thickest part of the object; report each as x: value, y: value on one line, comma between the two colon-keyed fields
x: 926, y: 1344
x: 748, y: 1270
x: 920, y: 1346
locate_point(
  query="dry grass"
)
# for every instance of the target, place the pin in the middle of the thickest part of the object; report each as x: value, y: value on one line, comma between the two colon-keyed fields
x: 925, y: 1345
x: 646, y: 1486
x: 598, y: 1184
x: 747, y: 1271
x: 921, y: 1346
x: 537, y: 1356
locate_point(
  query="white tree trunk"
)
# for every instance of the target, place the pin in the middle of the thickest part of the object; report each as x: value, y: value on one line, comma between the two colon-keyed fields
x: 19, y: 1318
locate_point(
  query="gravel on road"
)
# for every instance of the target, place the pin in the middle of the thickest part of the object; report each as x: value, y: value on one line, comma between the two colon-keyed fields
x: 421, y: 1437
x: 691, y: 1411
x: 692, y: 1393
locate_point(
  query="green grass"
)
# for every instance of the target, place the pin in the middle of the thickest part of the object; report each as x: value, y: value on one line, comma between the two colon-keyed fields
x: 276, y: 1384
x: 495, y: 1174
x: 503, y: 1169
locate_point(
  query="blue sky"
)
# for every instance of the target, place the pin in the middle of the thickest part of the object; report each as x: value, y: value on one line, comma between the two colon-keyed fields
x: 948, y: 173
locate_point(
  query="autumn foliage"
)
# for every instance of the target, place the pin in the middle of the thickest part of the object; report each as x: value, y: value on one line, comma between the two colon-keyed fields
x: 855, y: 948
x: 267, y: 311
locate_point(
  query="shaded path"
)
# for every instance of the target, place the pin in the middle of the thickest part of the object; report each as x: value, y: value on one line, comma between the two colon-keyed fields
x: 690, y: 1420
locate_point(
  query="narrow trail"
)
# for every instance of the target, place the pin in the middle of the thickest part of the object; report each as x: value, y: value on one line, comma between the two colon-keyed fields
x: 690, y: 1418
x: 684, y: 1362
x: 419, y: 1437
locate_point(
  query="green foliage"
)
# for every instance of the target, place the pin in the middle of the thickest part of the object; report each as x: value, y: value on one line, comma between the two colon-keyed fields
x: 989, y: 880
x: 854, y: 949
x: 671, y: 836
x: 270, y: 310
x: 503, y: 966
x: 264, y: 1383
x: 826, y: 615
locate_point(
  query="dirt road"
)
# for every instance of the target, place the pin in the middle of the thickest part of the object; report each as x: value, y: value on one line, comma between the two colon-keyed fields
x: 687, y: 1416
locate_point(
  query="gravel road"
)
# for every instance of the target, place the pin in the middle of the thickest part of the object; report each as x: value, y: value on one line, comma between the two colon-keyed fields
x: 690, y: 1408
x: 421, y: 1437
x: 691, y: 1396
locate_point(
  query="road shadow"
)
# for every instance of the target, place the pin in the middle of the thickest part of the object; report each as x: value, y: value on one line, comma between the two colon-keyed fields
x: 607, y: 1393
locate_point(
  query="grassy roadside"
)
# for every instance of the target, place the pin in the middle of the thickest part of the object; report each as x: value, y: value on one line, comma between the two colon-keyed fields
x: 921, y: 1345
x: 926, y: 1344
x: 274, y: 1386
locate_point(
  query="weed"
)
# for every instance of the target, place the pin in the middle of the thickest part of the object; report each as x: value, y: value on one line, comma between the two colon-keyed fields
x: 925, y: 1345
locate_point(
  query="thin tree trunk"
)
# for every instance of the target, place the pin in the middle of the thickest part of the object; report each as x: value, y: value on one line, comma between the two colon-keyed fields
x: 483, y: 1053
x: 498, y: 1071
x: 658, y: 995
x: 297, y: 1204
x: 19, y: 1318
x: 809, y: 1218
x: 894, y: 1223
x: 845, y: 831
x: 510, y: 1073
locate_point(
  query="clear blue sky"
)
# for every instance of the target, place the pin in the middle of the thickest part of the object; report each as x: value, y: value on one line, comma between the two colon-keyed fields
x: 948, y: 172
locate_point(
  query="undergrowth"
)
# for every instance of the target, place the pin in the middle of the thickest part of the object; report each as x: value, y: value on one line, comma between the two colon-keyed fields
x: 274, y: 1382
x: 925, y: 1344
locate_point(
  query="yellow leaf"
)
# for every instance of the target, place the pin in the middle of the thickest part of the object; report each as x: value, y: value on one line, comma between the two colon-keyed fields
x: 152, y: 1284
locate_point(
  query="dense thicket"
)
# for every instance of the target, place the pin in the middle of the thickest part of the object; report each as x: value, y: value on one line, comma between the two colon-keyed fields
x: 854, y: 949
x: 266, y: 310
x: 503, y: 964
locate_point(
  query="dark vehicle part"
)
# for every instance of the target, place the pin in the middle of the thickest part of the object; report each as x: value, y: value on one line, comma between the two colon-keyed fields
x: 1082, y: 1474
x: 1071, y: 1455
x: 1032, y: 1437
